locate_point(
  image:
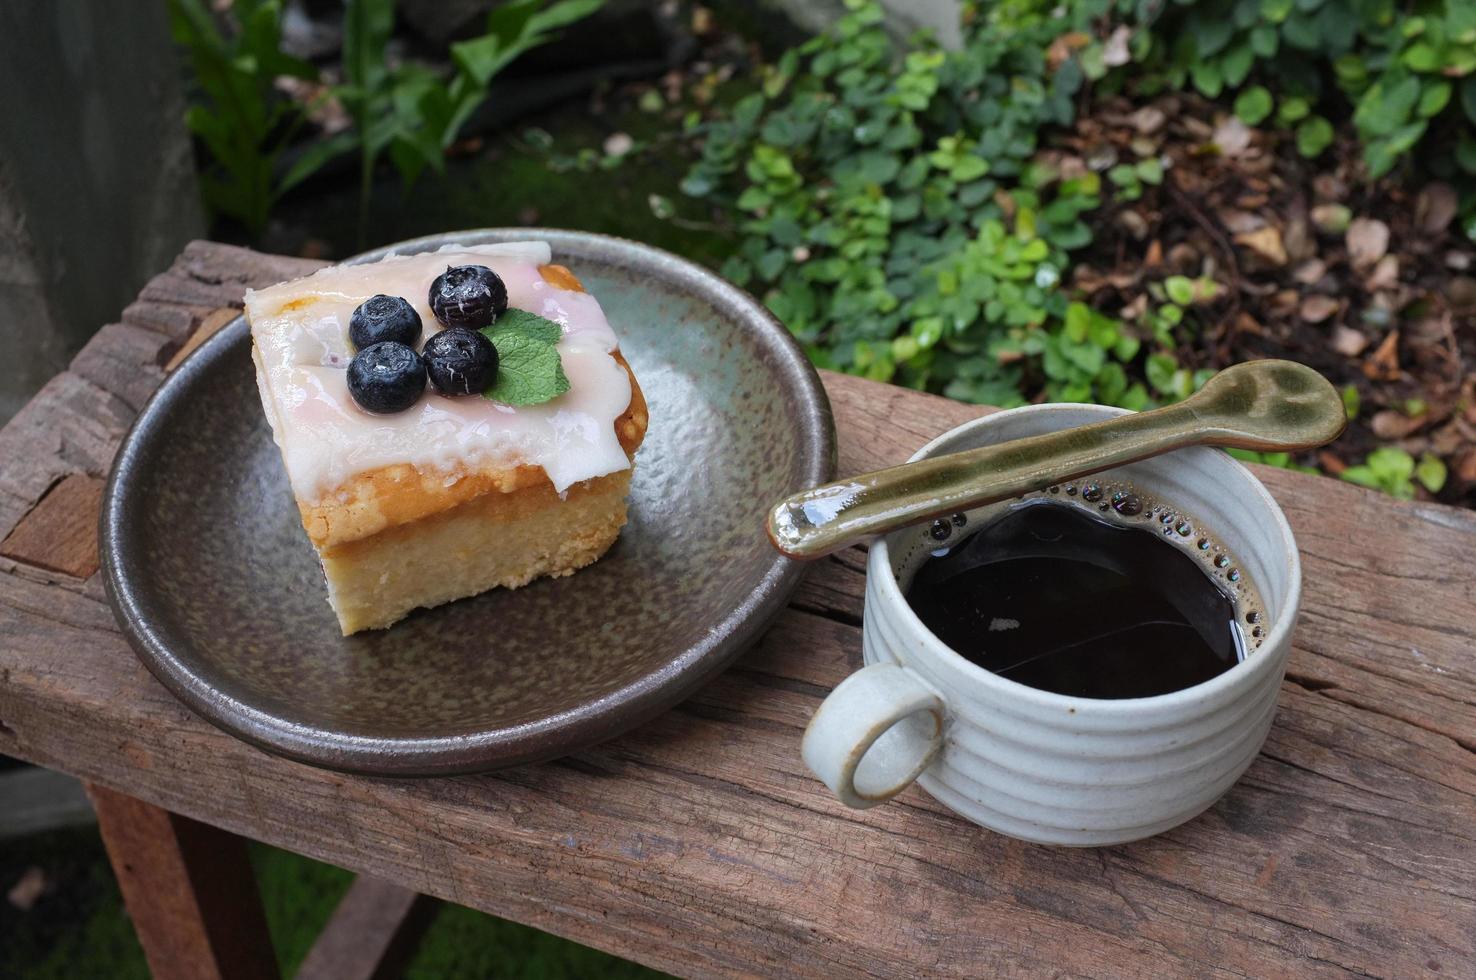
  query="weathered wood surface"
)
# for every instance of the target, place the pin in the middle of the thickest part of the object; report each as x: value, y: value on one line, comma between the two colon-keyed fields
x: 190, y: 891
x: 699, y: 844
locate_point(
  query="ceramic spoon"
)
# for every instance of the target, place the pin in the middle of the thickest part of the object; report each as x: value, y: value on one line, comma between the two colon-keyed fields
x: 1261, y: 405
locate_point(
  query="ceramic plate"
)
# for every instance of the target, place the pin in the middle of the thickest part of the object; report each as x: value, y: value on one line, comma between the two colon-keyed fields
x: 218, y: 590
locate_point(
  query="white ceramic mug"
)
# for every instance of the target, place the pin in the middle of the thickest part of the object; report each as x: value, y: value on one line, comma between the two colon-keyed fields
x: 1048, y: 767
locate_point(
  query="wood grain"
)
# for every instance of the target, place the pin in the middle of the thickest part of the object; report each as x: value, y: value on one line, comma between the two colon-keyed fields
x: 372, y: 934
x: 56, y: 535
x: 190, y: 891
x: 699, y: 843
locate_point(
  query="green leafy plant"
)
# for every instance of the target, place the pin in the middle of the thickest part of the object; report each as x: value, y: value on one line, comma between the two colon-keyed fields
x: 1407, y: 71
x: 1395, y: 472
x: 893, y: 213
x: 408, y: 111
x: 412, y: 112
x: 243, y: 122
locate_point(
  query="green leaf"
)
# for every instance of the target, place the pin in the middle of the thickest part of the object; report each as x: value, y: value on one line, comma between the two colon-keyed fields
x: 1078, y: 321
x: 969, y: 168
x: 1352, y: 401
x: 1180, y: 289
x: 527, y: 323
x: 1160, y: 371
x: 1211, y: 34
x: 1391, y: 463
x: 1363, y: 476
x: 1422, y: 57
x: 1236, y: 64
x: 1276, y: 11
x: 1384, y: 108
x: 1264, y: 41
x: 367, y: 25
x: 1293, y: 109
x: 1314, y: 135
x: 528, y: 370
x: 1465, y: 154
x: 562, y: 14
x: 1435, y: 97
x: 1253, y: 105
x: 316, y: 156
x: 1301, y: 31
x: 1431, y: 472
x: 1207, y: 78
x: 1085, y: 357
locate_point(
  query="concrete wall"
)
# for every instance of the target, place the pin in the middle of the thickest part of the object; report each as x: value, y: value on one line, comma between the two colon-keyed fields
x: 97, y: 186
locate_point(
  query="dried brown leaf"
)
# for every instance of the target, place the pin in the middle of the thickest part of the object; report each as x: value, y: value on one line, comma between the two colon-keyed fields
x: 1310, y: 271
x: 1347, y: 341
x: 1436, y: 207
x: 1465, y: 467
x: 1389, y: 424
x: 1115, y: 52
x: 1329, y: 187
x: 1133, y: 223
x: 1385, y: 275
x: 1461, y: 292
x: 27, y: 889
x: 1298, y: 239
x: 1063, y: 47
x: 1330, y: 462
x: 1245, y: 323
x: 1239, y: 222
x: 1383, y: 363
x: 1367, y: 240
x: 1148, y: 120
x: 1266, y: 243
x: 1232, y: 136
x: 1315, y: 309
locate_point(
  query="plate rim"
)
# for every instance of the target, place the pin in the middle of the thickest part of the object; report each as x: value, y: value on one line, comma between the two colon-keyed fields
x: 561, y: 733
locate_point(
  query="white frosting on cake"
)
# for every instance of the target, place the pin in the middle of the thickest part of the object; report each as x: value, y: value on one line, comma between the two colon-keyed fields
x: 300, y: 329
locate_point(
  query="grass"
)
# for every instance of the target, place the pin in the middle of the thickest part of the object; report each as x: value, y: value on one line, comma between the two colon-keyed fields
x: 79, y: 927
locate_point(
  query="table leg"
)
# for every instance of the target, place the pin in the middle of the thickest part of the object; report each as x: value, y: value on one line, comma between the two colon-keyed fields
x: 190, y: 890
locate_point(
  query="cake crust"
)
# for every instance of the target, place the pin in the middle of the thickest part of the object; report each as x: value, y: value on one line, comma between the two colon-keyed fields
x: 385, y: 498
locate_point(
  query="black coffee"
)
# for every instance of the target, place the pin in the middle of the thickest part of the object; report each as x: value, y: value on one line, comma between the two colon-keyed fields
x: 1053, y: 596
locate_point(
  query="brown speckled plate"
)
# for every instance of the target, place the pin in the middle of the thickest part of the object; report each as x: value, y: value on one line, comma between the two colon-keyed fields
x: 218, y: 590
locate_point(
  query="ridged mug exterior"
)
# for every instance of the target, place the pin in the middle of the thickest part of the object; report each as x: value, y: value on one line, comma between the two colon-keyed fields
x: 1046, y: 767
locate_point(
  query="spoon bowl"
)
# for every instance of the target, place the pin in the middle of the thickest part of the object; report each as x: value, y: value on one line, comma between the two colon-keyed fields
x: 1268, y: 406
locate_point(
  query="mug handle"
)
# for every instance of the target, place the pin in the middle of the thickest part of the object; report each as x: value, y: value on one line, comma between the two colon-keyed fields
x: 883, y: 714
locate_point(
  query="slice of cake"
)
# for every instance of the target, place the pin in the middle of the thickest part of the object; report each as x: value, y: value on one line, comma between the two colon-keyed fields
x: 449, y: 421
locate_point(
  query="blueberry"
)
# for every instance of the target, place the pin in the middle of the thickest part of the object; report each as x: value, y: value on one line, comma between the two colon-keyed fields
x: 386, y: 378
x: 468, y: 296
x: 460, y: 361
x: 380, y: 318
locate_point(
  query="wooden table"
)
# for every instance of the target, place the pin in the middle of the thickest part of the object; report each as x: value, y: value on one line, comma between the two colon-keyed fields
x: 698, y: 843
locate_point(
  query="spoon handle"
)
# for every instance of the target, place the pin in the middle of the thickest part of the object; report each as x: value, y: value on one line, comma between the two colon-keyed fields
x: 827, y: 518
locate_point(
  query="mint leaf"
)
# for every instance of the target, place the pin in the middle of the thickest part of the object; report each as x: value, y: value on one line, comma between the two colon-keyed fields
x: 528, y: 367
x: 524, y: 322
